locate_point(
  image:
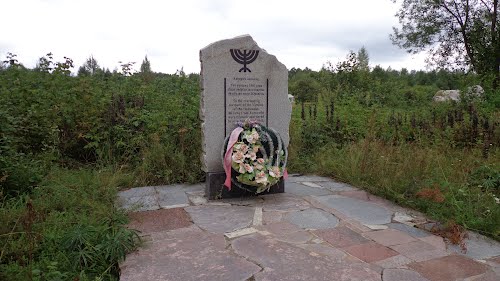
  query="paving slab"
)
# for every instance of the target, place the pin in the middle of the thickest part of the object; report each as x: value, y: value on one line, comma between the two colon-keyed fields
x: 221, y: 219
x: 478, y: 247
x: 449, y: 268
x: 356, y: 194
x: 173, y: 195
x: 281, y: 228
x: 321, y: 230
x: 394, y: 262
x: 398, y: 274
x: 138, y: 192
x: 284, y: 202
x: 335, y: 186
x: 323, y: 249
x: 389, y: 237
x: 193, y: 255
x: 282, y: 261
x: 341, y: 237
x: 419, y: 251
x: 139, y: 203
x: 312, y: 219
x: 303, y: 190
x: 362, y: 211
x: 310, y: 178
x: 370, y: 252
x: 159, y: 220
x: 410, y: 230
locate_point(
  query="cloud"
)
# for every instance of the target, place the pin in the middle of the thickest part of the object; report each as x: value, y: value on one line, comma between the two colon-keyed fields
x: 301, y: 34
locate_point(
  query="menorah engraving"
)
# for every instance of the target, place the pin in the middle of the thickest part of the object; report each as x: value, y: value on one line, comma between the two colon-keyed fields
x: 244, y: 57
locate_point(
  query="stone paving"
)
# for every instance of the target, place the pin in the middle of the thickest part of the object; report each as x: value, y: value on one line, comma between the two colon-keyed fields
x: 319, y: 229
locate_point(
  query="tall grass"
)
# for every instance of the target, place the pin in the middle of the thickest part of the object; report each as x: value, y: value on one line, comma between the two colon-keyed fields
x: 67, y: 229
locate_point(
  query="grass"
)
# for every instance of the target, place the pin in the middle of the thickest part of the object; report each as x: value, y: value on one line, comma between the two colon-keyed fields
x: 448, y: 184
x: 67, y: 229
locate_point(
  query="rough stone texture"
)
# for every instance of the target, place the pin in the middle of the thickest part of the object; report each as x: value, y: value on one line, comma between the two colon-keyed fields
x: 299, y: 237
x: 312, y: 219
x: 389, y: 237
x: 364, y: 212
x: 281, y: 228
x: 309, y: 178
x: 221, y: 219
x: 376, y: 226
x: 176, y: 249
x: 436, y: 241
x: 356, y: 194
x: 449, y: 268
x: 217, y: 64
x: 138, y: 192
x: 419, y: 251
x: 446, y: 95
x: 398, y: 274
x: 284, y: 203
x: 394, y: 262
x: 139, y: 203
x: 301, y: 189
x: 189, y: 254
x: 478, y: 247
x: 310, y: 184
x: 370, y: 252
x: 340, y: 237
x: 159, y: 220
x: 337, y: 186
x: 282, y: 261
x: 172, y: 196
x: 413, y: 231
x: 323, y: 249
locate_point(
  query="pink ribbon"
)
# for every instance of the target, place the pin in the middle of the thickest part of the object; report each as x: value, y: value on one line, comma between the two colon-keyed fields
x: 227, y: 157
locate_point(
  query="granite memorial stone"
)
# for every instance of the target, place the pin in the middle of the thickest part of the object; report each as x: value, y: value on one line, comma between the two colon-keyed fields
x: 239, y: 81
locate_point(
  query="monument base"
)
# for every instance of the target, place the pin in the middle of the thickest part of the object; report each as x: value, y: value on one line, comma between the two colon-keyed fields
x: 215, y: 189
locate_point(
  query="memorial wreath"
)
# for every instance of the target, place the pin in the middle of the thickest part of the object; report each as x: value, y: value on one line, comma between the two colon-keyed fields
x: 254, y: 157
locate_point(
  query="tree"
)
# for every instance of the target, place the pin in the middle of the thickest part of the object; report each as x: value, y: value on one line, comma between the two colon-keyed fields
x: 363, y: 59
x: 304, y: 88
x: 90, y: 67
x: 463, y: 33
x: 146, y: 66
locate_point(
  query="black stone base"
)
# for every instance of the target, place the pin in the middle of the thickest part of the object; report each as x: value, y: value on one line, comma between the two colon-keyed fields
x: 215, y: 188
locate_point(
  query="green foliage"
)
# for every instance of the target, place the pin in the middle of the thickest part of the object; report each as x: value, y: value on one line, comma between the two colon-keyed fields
x: 66, y: 229
x: 459, y: 33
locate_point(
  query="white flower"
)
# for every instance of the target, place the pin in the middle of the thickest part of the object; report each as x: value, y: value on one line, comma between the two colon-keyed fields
x: 261, y: 177
x: 275, y: 172
x: 258, y: 166
x: 243, y: 148
x: 251, y: 155
x: 261, y: 160
x: 252, y: 137
x: 248, y: 168
x: 238, y: 157
x: 241, y: 169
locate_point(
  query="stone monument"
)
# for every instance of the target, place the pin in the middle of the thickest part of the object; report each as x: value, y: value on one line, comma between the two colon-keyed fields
x: 239, y: 81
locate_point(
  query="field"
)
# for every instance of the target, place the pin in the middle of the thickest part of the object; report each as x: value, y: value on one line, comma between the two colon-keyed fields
x: 69, y: 143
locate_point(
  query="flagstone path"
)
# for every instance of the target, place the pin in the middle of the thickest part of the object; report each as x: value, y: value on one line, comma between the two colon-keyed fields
x: 319, y: 229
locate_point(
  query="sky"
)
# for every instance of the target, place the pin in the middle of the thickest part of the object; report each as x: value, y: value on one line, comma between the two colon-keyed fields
x: 171, y: 33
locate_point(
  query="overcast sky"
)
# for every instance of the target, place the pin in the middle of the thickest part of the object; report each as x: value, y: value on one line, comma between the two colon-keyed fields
x: 305, y: 33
